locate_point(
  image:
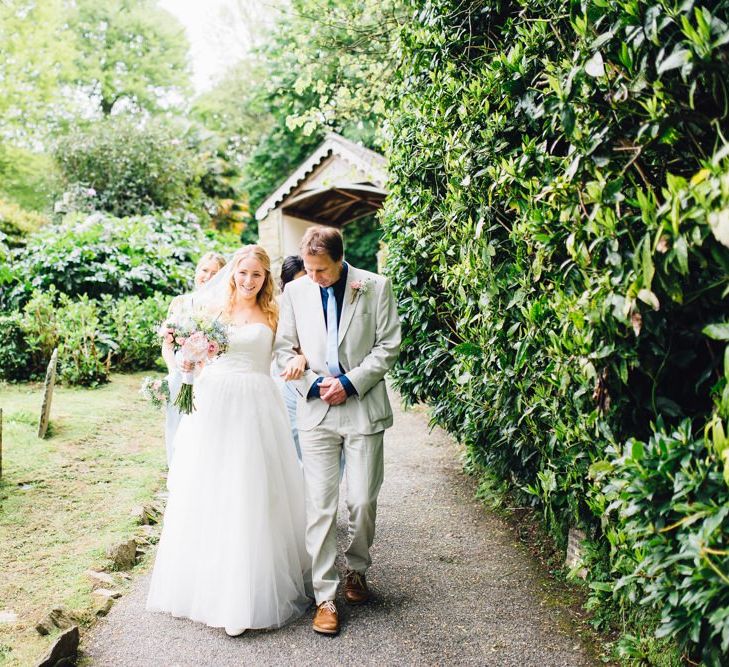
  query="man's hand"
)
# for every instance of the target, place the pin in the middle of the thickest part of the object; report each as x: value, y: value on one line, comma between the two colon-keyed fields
x: 331, y: 391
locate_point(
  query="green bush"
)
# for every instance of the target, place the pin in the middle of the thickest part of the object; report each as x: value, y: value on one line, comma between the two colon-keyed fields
x: 92, y: 336
x: 16, y: 223
x: 131, y: 169
x: 51, y: 321
x: 558, y: 232
x: 362, y: 242
x: 84, y: 351
x: 97, y: 254
x: 132, y: 323
x: 40, y: 325
x: 672, y: 502
x: 16, y: 355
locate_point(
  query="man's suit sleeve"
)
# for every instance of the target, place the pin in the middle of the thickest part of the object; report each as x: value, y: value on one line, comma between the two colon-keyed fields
x: 387, y: 344
x: 287, y: 342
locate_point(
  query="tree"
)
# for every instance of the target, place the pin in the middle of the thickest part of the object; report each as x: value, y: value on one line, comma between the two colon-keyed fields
x: 130, y: 169
x: 327, y: 68
x: 36, y: 54
x: 236, y: 108
x: 129, y: 52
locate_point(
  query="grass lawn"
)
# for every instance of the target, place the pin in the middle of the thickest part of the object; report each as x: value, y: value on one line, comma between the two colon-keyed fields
x: 65, y: 499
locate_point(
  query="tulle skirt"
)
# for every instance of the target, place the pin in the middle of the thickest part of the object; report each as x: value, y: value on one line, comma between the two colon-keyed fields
x: 232, y: 551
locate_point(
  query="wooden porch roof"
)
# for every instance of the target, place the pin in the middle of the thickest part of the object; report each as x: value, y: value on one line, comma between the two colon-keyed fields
x: 340, y: 182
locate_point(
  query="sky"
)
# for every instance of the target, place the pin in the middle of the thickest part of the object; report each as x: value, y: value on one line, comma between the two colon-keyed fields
x: 220, y: 32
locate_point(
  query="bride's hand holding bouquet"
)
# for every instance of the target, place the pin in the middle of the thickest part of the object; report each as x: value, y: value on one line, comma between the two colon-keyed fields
x: 195, y: 341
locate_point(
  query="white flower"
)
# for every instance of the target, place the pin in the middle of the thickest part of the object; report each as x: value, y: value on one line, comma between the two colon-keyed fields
x: 719, y: 223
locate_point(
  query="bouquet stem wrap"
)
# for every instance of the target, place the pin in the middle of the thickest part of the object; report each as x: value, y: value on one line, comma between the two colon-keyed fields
x: 184, y: 401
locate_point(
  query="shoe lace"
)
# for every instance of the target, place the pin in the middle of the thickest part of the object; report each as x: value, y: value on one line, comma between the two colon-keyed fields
x: 356, y: 578
x: 329, y: 606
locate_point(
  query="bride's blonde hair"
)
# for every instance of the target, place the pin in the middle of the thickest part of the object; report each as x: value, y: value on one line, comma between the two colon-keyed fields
x: 266, y: 296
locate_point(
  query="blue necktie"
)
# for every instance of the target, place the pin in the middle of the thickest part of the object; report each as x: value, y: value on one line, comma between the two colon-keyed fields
x: 332, y: 335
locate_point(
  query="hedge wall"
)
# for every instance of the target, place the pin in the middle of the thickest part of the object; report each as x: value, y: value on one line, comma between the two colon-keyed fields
x: 558, y: 232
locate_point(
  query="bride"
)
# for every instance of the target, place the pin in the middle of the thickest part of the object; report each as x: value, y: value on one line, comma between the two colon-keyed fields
x: 232, y: 550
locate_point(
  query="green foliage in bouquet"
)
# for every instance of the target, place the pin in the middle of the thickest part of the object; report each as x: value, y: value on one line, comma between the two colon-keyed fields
x: 155, y: 390
x: 558, y: 234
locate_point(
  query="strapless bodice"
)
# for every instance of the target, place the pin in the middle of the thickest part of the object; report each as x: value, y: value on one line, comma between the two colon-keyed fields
x: 249, y: 350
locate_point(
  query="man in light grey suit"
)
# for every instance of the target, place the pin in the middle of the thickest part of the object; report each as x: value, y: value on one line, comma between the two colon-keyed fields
x: 344, y: 321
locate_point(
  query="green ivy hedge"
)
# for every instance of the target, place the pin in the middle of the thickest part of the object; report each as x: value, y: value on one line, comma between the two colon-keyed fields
x: 558, y: 233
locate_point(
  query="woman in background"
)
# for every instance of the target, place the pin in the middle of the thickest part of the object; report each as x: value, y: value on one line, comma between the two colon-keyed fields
x: 208, y: 265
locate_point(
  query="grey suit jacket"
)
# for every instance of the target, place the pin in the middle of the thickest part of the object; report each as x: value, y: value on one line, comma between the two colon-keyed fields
x: 369, y: 342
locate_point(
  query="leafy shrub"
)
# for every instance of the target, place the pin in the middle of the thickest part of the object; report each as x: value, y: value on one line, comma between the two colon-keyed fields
x: 98, y: 254
x: 16, y: 223
x: 16, y: 356
x: 673, y: 501
x: 40, y: 326
x: 132, y: 323
x: 557, y: 232
x: 84, y: 352
x: 362, y: 243
x: 132, y: 169
x: 91, y: 336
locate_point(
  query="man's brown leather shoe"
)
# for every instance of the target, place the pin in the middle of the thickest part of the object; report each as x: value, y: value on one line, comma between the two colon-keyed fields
x: 355, y: 588
x: 326, y: 619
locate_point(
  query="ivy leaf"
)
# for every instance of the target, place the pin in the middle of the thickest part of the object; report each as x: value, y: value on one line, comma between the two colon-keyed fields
x: 568, y: 119
x: 467, y: 349
x: 647, y: 265
x: 719, y: 331
x: 646, y: 296
x: 678, y: 58
x: 681, y: 250
x: 595, y: 66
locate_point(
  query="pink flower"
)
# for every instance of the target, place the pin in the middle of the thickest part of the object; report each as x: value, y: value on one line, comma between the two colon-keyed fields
x: 213, y: 349
x: 180, y: 340
x: 195, y: 348
x: 359, y: 287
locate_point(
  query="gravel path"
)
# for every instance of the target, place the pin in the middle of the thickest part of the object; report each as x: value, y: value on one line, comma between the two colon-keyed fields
x: 451, y: 588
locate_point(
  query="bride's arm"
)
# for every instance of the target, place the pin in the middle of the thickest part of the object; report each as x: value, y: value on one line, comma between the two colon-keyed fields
x: 295, y: 368
x: 168, y: 353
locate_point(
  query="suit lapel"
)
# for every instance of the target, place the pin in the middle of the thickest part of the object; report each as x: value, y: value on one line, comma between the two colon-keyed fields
x: 314, y: 306
x: 348, y: 307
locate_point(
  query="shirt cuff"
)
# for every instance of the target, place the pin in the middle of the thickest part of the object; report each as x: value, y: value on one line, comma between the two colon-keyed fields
x: 314, y: 389
x: 348, y: 386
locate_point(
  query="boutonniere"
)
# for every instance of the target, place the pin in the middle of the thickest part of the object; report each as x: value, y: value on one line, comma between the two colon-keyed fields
x: 359, y: 287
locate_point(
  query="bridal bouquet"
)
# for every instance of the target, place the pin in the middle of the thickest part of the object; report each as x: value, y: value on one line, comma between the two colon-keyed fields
x: 195, y: 340
x: 156, y: 391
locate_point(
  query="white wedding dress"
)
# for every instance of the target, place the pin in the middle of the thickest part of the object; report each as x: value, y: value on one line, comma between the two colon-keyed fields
x: 232, y: 550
